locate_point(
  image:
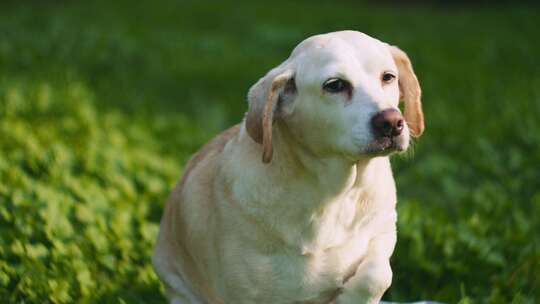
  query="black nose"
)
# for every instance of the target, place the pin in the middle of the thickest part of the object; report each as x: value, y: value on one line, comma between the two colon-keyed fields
x: 387, y: 123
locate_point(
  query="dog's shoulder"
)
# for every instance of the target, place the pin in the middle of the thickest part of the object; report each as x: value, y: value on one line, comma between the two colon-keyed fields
x: 213, y: 147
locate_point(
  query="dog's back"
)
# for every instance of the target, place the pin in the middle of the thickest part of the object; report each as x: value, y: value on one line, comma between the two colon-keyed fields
x: 173, y: 258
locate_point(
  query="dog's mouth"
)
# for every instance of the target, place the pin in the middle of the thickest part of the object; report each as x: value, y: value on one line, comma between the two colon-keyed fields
x: 383, y: 146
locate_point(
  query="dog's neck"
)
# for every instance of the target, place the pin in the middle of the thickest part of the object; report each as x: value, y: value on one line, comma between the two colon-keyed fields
x: 335, y: 173
x: 307, y: 191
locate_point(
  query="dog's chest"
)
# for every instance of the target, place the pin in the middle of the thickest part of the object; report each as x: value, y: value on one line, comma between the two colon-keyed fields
x: 310, y: 276
x: 315, y: 270
x: 302, y: 254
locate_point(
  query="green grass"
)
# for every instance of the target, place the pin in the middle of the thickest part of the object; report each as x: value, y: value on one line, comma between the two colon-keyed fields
x: 102, y: 103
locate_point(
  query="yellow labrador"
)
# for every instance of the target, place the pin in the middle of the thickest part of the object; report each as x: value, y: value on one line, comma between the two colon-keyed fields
x: 296, y: 204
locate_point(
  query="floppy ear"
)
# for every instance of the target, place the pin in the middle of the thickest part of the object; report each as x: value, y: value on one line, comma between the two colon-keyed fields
x: 409, y: 91
x: 265, y: 99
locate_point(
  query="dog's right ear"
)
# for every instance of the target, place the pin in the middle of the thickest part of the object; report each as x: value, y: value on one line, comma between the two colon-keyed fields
x: 266, y: 98
x: 410, y: 91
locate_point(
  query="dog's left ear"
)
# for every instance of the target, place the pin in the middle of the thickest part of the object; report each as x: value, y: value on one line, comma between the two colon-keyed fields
x: 270, y: 95
x: 409, y: 91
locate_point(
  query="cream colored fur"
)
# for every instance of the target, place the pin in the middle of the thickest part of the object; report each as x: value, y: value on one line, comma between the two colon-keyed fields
x: 293, y: 205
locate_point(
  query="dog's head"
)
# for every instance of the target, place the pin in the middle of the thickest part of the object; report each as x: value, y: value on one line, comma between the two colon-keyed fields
x: 338, y: 94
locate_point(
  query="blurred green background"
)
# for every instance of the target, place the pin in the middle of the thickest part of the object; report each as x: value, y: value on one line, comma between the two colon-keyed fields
x: 102, y: 102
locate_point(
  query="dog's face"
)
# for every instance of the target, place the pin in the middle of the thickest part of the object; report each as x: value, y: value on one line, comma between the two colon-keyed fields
x: 338, y: 94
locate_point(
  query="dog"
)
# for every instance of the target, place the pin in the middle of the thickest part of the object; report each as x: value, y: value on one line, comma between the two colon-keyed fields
x: 296, y: 204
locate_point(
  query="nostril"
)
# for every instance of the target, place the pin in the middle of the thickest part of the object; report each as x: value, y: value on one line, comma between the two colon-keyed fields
x: 387, y: 126
x: 398, y: 127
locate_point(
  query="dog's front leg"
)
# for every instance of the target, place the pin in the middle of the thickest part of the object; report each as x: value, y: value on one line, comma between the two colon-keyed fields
x: 373, y: 275
x: 369, y: 284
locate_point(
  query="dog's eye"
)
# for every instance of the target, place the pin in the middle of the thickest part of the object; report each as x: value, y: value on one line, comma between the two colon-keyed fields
x: 336, y: 85
x: 387, y: 77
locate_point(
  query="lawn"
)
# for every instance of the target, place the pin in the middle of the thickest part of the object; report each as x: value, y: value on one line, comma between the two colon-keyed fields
x: 102, y: 102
